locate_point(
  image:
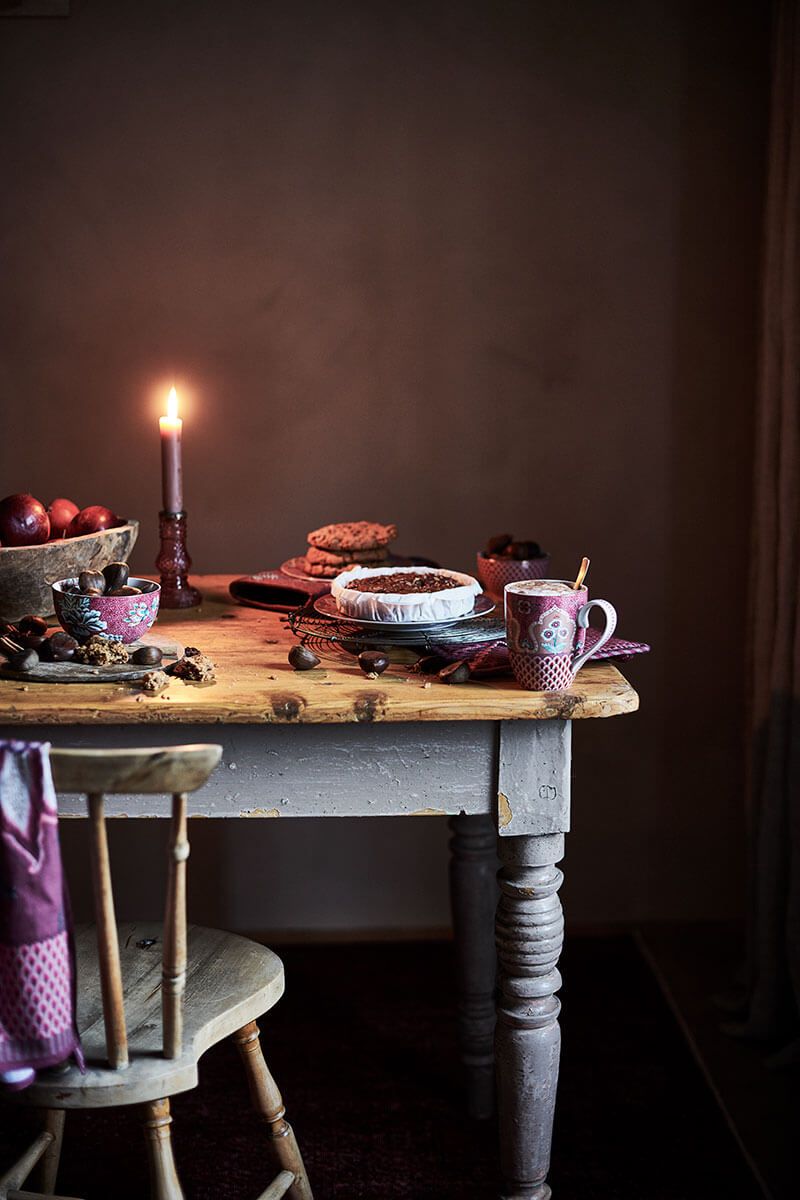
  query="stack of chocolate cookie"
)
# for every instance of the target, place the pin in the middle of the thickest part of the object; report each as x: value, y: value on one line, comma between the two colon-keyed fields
x: 336, y: 548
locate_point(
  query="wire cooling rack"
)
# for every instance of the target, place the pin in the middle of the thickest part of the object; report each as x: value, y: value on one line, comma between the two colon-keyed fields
x: 318, y: 630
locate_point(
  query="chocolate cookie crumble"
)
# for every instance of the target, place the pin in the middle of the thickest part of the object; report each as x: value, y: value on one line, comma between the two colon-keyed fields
x: 155, y: 681
x: 102, y: 652
x: 405, y: 583
x: 193, y: 668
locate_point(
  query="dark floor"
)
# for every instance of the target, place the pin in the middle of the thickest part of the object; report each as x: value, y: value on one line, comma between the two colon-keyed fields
x: 697, y: 966
x: 363, y: 1046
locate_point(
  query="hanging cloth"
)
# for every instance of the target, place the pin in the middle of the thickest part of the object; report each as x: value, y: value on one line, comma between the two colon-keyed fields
x: 37, y: 964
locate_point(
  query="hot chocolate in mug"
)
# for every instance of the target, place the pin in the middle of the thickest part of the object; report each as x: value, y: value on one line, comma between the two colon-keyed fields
x: 546, y: 621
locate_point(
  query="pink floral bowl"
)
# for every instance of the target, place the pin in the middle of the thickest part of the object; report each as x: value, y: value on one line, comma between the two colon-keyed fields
x: 118, y: 618
x: 495, y: 573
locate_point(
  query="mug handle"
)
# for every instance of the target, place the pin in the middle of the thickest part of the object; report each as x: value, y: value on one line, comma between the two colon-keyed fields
x: 583, y: 621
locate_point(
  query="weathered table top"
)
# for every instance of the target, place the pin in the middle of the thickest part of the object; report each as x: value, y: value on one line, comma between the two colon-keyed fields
x: 256, y: 685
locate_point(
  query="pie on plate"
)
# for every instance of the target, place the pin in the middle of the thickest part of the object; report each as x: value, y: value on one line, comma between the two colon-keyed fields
x: 401, y: 594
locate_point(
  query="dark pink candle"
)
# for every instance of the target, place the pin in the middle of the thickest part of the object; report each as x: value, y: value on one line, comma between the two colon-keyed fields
x: 171, y: 427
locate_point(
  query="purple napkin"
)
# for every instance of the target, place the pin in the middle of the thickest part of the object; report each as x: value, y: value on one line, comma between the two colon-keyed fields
x: 37, y: 968
x: 491, y: 658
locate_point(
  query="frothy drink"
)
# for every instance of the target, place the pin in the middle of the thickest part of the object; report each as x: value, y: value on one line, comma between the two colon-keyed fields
x: 540, y: 587
x: 546, y: 623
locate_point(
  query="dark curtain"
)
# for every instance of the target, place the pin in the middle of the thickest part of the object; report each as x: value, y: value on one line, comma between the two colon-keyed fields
x: 774, y: 1000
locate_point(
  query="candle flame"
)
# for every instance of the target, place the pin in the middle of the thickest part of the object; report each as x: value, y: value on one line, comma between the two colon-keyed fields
x: 172, y: 404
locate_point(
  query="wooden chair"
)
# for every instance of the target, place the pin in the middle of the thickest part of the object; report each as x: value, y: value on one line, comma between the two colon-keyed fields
x: 152, y: 999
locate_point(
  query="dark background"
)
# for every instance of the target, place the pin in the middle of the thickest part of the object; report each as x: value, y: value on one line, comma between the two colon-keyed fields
x: 462, y: 266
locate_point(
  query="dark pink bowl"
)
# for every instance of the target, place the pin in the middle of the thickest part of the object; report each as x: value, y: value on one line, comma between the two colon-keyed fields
x: 118, y: 618
x: 495, y: 573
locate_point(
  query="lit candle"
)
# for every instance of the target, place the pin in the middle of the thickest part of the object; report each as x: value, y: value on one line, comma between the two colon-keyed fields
x: 171, y: 427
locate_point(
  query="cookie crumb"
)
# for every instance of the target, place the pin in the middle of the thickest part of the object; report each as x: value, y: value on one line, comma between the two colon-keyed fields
x: 102, y: 652
x: 196, y: 668
x: 154, y: 681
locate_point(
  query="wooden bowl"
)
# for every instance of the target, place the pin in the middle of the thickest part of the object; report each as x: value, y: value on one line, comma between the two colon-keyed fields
x: 26, y: 572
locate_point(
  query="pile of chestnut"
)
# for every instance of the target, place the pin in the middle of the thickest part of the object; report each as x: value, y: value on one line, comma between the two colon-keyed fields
x: 502, y: 545
x: 24, y: 520
x: 374, y: 662
x: 111, y: 581
x: 26, y: 644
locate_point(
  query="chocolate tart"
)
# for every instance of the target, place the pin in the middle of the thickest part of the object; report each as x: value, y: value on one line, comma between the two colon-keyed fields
x: 404, y: 594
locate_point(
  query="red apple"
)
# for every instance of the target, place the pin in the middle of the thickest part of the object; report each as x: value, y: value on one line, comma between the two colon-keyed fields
x: 92, y: 520
x: 61, y: 512
x: 23, y: 521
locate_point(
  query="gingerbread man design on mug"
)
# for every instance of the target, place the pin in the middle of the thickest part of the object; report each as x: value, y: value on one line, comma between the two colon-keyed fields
x: 546, y: 622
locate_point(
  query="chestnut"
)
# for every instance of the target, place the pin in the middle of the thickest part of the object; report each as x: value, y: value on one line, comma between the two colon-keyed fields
x: 92, y: 583
x: 497, y: 544
x: 32, y: 641
x: 455, y: 672
x: 372, y: 663
x: 34, y: 625
x: 27, y: 660
x: 61, y: 646
x: 116, y: 576
x: 126, y: 590
x: 302, y: 659
x: 147, y: 656
x: 430, y: 664
x: 523, y: 550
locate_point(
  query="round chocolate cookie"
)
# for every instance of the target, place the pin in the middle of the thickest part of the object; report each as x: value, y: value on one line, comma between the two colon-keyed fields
x: 352, y: 535
x: 337, y: 558
x: 329, y: 571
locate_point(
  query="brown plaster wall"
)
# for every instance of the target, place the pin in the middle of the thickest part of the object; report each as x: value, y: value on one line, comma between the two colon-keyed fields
x: 465, y: 266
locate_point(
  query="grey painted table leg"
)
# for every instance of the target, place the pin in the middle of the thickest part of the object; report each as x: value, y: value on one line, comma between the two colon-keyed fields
x: 533, y: 815
x: 473, y: 892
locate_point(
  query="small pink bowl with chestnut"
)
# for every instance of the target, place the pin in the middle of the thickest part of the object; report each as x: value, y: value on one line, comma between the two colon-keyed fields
x: 121, y: 614
x: 507, y: 561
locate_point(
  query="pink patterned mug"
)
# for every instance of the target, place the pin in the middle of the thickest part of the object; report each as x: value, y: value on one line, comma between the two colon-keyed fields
x: 546, y: 622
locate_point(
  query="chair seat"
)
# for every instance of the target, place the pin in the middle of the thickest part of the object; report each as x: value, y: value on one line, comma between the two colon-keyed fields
x: 230, y: 981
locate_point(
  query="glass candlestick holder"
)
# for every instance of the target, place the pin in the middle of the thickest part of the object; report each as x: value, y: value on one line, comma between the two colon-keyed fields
x: 173, y: 562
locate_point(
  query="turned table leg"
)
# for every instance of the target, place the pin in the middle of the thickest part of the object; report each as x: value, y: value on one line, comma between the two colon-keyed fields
x: 530, y: 932
x: 533, y: 815
x: 473, y: 893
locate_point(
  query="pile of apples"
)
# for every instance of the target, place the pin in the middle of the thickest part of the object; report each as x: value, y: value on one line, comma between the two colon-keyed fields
x: 24, y: 520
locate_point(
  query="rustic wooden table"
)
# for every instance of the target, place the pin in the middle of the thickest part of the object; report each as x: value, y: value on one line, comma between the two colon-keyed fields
x: 328, y: 743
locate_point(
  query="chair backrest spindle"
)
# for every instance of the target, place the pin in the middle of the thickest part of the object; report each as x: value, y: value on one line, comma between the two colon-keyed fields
x: 177, y: 770
x: 107, y: 941
x: 173, y: 971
